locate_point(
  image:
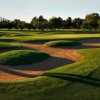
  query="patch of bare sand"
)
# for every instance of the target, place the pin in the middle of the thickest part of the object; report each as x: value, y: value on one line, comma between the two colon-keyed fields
x: 92, y: 42
x: 59, y: 57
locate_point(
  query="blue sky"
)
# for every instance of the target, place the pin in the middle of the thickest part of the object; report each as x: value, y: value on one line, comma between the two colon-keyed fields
x: 27, y: 9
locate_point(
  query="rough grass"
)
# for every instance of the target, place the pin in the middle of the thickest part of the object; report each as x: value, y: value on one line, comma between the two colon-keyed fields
x: 79, y: 80
x: 61, y: 43
x: 6, y: 46
x: 22, y: 57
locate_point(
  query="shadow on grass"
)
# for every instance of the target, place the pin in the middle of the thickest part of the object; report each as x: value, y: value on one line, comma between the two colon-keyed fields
x: 6, y: 40
x: 76, y: 78
x: 85, y: 43
x: 13, y: 72
x: 48, y: 64
x: 79, y: 47
x: 51, y: 63
x: 93, y: 42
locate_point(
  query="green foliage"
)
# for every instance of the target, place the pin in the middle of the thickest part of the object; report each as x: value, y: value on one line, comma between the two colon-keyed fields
x: 22, y: 57
x: 77, y: 22
x: 55, y: 22
x: 39, y: 23
x: 90, y: 22
x: 68, y: 23
x: 6, y: 45
x: 60, y: 43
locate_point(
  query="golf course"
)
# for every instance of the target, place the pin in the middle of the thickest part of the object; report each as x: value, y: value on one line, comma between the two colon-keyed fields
x: 49, y: 65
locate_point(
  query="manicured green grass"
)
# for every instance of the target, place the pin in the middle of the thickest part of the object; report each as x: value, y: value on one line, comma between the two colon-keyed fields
x: 22, y: 57
x: 6, y: 46
x: 62, y: 43
x: 32, y: 36
x: 77, y: 81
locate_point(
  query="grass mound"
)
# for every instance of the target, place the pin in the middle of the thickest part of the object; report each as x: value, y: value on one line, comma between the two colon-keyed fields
x: 22, y: 57
x: 5, y: 45
x: 77, y: 81
x: 62, y: 43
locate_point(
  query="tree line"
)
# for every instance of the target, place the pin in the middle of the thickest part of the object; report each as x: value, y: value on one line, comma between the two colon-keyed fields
x: 91, y: 22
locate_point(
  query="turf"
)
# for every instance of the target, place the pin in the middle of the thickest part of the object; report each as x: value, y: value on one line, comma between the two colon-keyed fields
x: 79, y: 80
x: 22, y: 57
x: 6, y: 46
x: 29, y: 36
x: 62, y: 43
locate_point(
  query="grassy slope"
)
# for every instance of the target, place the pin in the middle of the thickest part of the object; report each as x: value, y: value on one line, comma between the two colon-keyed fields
x: 6, y: 46
x: 29, y: 36
x: 22, y: 57
x: 78, y: 81
x: 62, y: 43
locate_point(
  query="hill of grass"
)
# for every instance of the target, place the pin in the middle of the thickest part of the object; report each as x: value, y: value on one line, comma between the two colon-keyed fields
x: 22, y: 57
x: 61, y: 43
x: 6, y: 46
x: 29, y: 36
x: 77, y: 81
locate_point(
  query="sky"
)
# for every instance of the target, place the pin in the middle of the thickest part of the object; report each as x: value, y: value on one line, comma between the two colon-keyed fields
x: 27, y: 9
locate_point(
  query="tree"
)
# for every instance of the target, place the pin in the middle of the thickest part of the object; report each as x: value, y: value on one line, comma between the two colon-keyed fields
x: 84, y: 25
x: 55, y: 22
x: 4, y: 23
x: 92, y: 20
x: 34, y: 23
x: 99, y: 23
x: 10, y: 25
x: 77, y: 22
x: 28, y: 26
x: 22, y: 25
x: 42, y: 23
x: 68, y: 23
x: 39, y: 23
x: 16, y: 23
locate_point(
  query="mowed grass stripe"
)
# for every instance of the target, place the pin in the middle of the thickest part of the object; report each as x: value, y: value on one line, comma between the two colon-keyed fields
x: 41, y: 37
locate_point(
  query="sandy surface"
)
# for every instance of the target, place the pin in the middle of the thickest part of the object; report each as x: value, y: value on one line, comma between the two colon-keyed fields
x: 59, y: 57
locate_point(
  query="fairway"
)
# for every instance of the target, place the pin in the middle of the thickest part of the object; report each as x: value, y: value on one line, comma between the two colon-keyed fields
x: 49, y: 65
x: 45, y: 37
x: 50, y: 50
